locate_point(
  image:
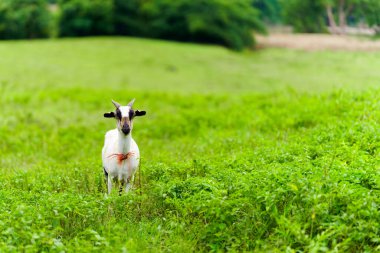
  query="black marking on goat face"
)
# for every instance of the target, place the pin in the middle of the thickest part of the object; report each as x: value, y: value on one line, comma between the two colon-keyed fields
x: 118, y: 113
x: 131, y: 114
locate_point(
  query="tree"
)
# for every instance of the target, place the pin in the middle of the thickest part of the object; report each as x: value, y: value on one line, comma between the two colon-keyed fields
x: 370, y: 11
x: 127, y: 18
x: 85, y: 17
x: 305, y: 15
x: 270, y: 10
x: 339, y: 10
x: 225, y: 22
x: 20, y: 19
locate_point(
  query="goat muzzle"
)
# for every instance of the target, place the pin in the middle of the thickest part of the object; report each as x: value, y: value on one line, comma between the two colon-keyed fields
x: 126, y: 129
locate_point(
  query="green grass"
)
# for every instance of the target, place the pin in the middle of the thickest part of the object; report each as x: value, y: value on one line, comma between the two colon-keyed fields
x: 147, y: 65
x: 263, y: 151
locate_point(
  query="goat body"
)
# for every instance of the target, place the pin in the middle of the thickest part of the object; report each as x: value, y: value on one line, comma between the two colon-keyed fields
x: 120, y: 154
x: 120, y: 157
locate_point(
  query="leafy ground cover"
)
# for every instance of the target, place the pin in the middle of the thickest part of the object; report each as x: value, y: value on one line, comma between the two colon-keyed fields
x: 240, y: 151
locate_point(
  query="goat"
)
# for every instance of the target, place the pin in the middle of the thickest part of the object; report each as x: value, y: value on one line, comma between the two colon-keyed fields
x: 120, y: 153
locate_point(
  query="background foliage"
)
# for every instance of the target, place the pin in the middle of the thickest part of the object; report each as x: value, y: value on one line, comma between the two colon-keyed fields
x: 270, y: 10
x: 305, y: 15
x: 229, y: 23
x: 128, y: 19
x: 370, y: 11
x: 21, y: 19
x: 85, y: 17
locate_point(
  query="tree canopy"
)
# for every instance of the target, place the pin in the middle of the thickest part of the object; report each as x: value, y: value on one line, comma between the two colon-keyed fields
x: 304, y: 15
x: 270, y: 10
x: 314, y: 15
x: 24, y: 19
x: 225, y: 22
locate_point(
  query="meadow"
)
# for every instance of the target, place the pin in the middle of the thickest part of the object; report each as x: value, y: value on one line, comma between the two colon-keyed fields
x: 271, y: 150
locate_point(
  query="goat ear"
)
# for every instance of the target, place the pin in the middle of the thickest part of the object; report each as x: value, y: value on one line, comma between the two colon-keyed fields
x: 140, y: 113
x: 109, y: 115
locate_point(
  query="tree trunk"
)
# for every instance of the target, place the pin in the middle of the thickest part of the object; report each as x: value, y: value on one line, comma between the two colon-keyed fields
x: 332, y: 23
x: 342, y: 17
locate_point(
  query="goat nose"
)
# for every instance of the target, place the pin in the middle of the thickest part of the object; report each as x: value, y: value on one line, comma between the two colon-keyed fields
x: 126, y: 130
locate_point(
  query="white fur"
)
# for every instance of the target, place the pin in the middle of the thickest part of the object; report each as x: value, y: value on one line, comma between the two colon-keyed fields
x: 117, y: 143
x: 124, y: 111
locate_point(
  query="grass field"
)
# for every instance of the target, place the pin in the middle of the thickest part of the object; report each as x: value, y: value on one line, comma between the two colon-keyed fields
x: 275, y: 150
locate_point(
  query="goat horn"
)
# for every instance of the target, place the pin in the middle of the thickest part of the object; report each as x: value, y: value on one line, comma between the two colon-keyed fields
x: 130, y: 104
x: 116, y: 104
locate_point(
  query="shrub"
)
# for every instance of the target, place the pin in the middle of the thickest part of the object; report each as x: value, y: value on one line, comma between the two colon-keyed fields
x: 20, y: 19
x: 305, y: 15
x: 85, y: 17
x: 225, y: 22
x: 270, y: 10
x: 127, y: 19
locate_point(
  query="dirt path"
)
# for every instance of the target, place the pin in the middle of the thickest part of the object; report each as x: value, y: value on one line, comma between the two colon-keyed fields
x: 314, y: 42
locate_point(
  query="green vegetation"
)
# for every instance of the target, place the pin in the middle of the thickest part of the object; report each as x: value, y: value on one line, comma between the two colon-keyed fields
x: 311, y: 15
x: 371, y: 12
x: 224, y: 22
x: 21, y: 19
x: 270, y: 10
x: 240, y: 151
x: 230, y: 23
x: 122, y: 63
x: 85, y: 17
x: 305, y: 15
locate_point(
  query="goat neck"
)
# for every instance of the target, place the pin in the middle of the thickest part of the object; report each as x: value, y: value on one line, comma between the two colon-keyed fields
x: 124, y: 143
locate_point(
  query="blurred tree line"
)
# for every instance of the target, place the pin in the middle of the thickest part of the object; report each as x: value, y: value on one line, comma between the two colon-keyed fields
x: 21, y: 19
x: 270, y: 10
x: 227, y: 22
x: 314, y: 15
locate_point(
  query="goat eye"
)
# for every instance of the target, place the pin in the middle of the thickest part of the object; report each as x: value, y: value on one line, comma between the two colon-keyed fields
x: 118, y: 114
x: 131, y: 114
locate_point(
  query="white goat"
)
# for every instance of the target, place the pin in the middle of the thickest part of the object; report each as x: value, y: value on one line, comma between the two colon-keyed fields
x: 120, y: 153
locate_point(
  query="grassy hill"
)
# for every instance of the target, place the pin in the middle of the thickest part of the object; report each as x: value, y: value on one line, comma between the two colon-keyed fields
x: 148, y: 65
x: 272, y: 150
